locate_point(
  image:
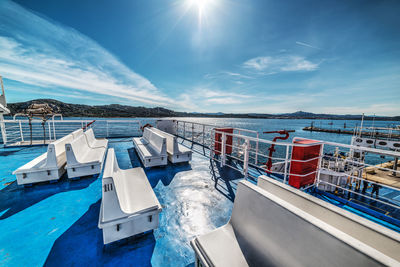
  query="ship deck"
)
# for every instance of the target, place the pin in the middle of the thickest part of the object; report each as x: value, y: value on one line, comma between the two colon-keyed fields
x: 383, y: 176
x: 55, y: 224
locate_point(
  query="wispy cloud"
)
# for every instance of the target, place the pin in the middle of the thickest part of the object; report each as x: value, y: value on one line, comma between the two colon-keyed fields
x: 48, y: 55
x: 227, y: 75
x: 272, y: 64
x: 307, y: 45
x: 200, y: 99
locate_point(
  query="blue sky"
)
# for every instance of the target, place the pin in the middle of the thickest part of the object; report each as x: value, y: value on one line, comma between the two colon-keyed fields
x: 205, y: 55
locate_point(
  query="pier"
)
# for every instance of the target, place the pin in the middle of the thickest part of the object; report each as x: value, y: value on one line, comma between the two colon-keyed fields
x: 341, y: 131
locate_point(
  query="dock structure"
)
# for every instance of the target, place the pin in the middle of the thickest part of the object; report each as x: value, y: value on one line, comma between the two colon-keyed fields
x: 382, y: 175
x: 341, y: 131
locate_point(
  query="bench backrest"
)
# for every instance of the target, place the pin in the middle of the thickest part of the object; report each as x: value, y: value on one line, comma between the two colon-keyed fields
x: 369, y: 233
x: 75, y: 134
x: 111, y: 207
x: 272, y: 232
x: 111, y: 164
x: 128, y: 194
x: 157, y: 141
x: 91, y: 139
x: 77, y: 149
x: 172, y: 142
x: 56, y: 149
x: 146, y: 133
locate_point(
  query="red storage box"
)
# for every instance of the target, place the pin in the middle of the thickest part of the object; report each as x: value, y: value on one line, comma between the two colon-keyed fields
x: 310, y: 154
x: 228, y: 141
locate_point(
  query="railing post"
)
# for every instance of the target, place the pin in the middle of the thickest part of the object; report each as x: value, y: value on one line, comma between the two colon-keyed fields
x: 184, y: 130
x: 320, y: 163
x: 223, y: 149
x: 107, y: 129
x: 54, y: 129
x: 203, y: 135
x: 238, y: 140
x: 49, y: 130
x: 256, y: 157
x: 246, y: 159
x: 20, y: 132
x: 3, y: 129
x: 192, y: 132
x: 286, y: 164
x: 212, y: 145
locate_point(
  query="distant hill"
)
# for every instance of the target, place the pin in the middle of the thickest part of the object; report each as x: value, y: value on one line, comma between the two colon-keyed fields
x: 115, y: 110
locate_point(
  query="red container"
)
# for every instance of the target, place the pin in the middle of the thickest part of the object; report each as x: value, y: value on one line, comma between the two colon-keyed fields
x: 308, y: 168
x: 228, y: 141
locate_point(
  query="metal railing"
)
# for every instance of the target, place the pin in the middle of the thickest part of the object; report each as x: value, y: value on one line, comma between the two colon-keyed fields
x: 19, y: 132
x: 248, y: 155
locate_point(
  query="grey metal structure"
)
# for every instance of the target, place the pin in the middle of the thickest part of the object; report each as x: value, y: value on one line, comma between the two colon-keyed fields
x: 275, y: 225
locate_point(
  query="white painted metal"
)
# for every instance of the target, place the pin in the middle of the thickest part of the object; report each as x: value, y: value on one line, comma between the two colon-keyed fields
x: 376, y: 143
x: 48, y: 166
x: 223, y: 149
x: 267, y: 218
x: 3, y: 129
x: 13, y: 133
x: 84, y: 157
x: 129, y: 205
x: 176, y: 152
x: 151, y: 148
x: 286, y: 164
x: 168, y: 126
x: 246, y: 159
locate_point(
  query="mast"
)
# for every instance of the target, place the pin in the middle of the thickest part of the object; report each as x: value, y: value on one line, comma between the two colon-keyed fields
x: 362, y: 122
x: 3, y: 110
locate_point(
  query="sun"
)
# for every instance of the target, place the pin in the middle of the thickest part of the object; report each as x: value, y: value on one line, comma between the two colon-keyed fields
x: 203, y: 6
x: 200, y: 4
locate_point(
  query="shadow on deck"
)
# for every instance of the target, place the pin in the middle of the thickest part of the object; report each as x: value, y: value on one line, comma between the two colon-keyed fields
x: 85, y: 239
x: 15, y: 198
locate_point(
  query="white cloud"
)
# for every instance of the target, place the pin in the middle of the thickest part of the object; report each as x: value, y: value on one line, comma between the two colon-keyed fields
x: 200, y: 99
x: 307, y: 45
x: 38, y: 52
x: 280, y: 64
x: 227, y: 75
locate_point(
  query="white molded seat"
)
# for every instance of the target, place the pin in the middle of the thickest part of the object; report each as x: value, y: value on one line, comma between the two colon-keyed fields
x: 93, y: 142
x: 267, y: 230
x: 176, y: 152
x: 84, y: 158
x: 47, y: 167
x: 75, y: 134
x: 129, y: 205
x: 151, y: 148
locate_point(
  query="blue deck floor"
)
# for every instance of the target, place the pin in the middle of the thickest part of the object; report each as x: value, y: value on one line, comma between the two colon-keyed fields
x: 56, y: 224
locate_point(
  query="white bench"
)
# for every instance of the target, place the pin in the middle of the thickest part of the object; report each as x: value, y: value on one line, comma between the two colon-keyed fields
x: 151, y: 148
x: 93, y: 142
x: 48, y: 166
x: 84, y: 156
x: 176, y: 152
x: 267, y: 230
x: 129, y: 205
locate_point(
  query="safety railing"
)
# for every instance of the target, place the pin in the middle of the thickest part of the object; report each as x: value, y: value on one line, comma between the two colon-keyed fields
x: 21, y: 132
x: 200, y: 133
x: 342, y: 170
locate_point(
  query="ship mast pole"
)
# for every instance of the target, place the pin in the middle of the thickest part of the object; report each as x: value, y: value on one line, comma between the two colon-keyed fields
x: 362, y: 122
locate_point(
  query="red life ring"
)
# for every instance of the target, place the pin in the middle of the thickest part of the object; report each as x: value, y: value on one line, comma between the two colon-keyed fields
x: 144, y: 126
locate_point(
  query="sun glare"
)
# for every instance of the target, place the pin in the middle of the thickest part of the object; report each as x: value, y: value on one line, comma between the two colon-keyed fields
x: 203, y: 6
